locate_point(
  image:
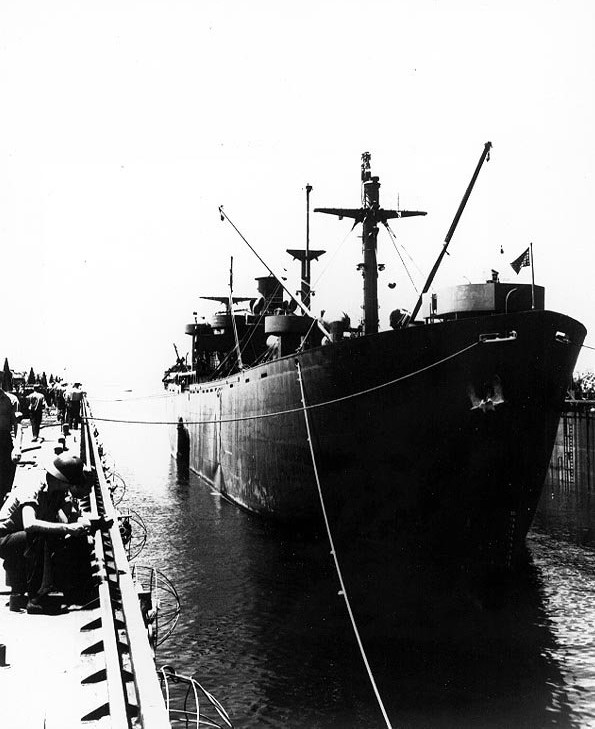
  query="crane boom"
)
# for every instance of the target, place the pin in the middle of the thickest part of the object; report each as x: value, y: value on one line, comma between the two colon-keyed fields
x: 451, y: 230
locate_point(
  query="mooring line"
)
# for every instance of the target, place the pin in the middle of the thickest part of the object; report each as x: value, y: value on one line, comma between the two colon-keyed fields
x: 343, y: 591
x: 290, y: 411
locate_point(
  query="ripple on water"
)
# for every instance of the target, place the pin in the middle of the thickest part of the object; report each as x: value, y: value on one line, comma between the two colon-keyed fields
x: 263, y: 628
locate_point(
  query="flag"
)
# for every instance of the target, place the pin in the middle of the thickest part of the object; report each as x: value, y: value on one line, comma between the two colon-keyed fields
x: 523, y: 260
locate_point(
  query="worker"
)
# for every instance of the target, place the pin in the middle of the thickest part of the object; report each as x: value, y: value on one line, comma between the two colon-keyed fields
x: 73, y: 397
x: 61, y: 400
x: 37, y: 542
x: 10, y: 441
x: 36, y: 404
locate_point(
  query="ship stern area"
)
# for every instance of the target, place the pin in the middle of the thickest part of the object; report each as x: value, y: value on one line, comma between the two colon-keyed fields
x: 447, y: 461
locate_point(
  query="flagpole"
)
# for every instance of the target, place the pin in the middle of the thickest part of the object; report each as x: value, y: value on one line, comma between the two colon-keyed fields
x: 532, y: 277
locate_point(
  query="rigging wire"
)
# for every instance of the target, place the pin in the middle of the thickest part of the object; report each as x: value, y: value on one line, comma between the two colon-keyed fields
x: 343, y: 591
x: 333, y: 256
x: 394, y: 242
x: 294, y: 410
x: 157, y: 396
x: 409, y: 256
x: 300, y: 304
x: 305, y: 338
x: 247, y: 337
x: 240, y: 364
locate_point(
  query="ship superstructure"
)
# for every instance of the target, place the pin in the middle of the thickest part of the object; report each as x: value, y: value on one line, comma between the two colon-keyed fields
x: 434, y: 435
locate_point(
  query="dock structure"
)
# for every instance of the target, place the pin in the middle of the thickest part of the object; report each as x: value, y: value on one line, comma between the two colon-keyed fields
x: 573, y: 457
x: 87, y: 667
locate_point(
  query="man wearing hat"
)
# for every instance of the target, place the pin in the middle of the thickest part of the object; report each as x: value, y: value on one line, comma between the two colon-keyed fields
x: 34, y: 528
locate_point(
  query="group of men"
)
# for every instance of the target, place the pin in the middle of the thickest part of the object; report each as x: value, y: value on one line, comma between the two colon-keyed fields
x: 43, y: 532
x: 67, y: 400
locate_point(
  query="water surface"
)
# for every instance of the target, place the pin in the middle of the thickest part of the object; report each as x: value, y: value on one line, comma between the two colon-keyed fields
x: 264, y: 629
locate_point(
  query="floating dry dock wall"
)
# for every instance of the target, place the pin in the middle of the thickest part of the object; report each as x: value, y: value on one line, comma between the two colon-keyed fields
x: 573, y: 458
x: 89, y: 667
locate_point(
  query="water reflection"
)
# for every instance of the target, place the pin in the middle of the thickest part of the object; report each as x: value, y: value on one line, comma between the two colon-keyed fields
x: 567, y: 573
x: 264, y: 629
x: 567, y: 512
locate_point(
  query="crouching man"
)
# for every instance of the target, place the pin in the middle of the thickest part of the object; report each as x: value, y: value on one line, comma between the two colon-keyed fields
x: 41, y: 548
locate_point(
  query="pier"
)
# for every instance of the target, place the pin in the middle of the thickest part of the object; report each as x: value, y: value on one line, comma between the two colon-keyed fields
x: 573, y: 458
x: 90, y: 666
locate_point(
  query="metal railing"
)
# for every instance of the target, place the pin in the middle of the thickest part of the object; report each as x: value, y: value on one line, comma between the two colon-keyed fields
x: 133, y: 693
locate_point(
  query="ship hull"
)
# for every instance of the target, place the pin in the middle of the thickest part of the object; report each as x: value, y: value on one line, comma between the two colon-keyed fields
x: 427, y: 437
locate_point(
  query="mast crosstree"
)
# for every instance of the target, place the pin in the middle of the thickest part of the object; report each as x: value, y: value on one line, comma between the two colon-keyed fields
x: 370, y: 215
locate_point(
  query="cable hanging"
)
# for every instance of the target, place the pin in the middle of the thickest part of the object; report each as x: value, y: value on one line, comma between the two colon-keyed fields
x: 245, y: 340
x: 394, y: 242
x: 409, y: 256
x: 292, y: 410
x: 343, y: 591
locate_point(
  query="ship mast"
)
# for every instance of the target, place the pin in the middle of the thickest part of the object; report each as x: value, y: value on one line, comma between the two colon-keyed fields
x: 369, y: 215
x: 305, y: 256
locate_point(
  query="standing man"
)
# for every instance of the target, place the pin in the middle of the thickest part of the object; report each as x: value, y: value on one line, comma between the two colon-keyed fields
x: 10, y: 442
x: 73, y: 405
x: 61, y: 401
x: 36, y: 403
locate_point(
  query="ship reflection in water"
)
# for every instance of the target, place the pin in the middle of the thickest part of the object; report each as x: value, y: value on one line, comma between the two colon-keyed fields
x: 264, y: 629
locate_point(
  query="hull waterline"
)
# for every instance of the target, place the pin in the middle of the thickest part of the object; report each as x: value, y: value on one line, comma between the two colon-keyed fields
x: 435, y: 438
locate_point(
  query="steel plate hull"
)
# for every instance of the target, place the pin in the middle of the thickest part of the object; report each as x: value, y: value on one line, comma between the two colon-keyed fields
x: 426, y: 436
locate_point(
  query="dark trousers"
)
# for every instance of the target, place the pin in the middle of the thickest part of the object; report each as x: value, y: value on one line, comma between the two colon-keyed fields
x: 7, y: 467
x: 74, y: 413
x: 35, y: 418
x: 34, y: 563
x: 23, y: 574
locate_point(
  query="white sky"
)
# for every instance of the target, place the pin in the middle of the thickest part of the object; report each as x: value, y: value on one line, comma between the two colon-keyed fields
x: 125, y: 124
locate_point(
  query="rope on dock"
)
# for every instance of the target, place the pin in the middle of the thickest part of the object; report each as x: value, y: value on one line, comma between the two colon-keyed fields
x: 290, y: 411
x: 343, y: 590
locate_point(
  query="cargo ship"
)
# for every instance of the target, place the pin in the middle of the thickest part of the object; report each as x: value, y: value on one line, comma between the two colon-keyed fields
x: 434, y: 435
